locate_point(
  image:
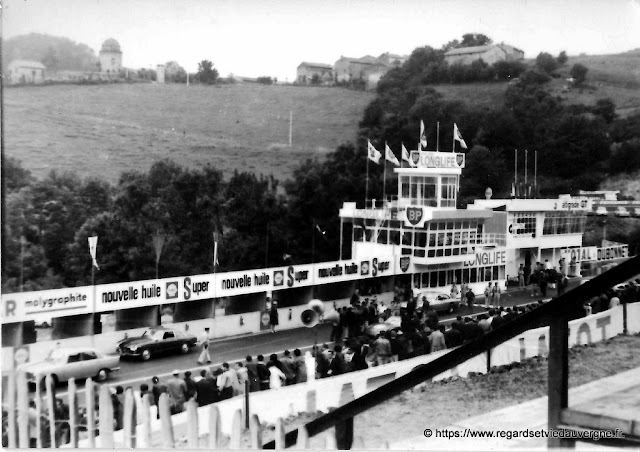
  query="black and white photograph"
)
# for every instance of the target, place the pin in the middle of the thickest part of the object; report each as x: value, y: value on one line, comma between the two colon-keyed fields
x: 320, y: 224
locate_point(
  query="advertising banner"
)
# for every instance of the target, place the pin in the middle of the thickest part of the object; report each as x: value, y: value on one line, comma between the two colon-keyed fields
x: 45, y: 304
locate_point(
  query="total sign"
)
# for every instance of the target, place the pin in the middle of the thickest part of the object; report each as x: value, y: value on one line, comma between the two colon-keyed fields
x: 415, y: 216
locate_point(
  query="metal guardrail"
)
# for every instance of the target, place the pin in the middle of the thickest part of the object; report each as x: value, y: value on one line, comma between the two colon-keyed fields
x: 555, y: 313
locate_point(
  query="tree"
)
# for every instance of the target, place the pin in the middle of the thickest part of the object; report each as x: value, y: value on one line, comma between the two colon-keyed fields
x: 579, y: 73
x: 606, y: 109
x: 474, y: 39
x: 508, y: 70
x: 207, y: 73
x: 562, y: 58
x: 546, y: 62
x: 174, y: 72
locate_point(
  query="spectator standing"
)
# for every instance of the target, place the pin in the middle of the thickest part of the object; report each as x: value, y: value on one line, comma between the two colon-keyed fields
x: 563, y: 283
x: 496, y: 291
x: 177, y: 390
x: 453, y: 293
x: 337, y: 364
x: 191, y: 385
x: 203, y: 341
x: 300, y: 365
x: 382, y: 349
x: 437, y: 339
x: 273, y: 316
x: 156, y: 390
x: 288, y: 368
x: 521, y: 276
x: 227, y: 382
x: 252, y: 374
x: 117, y: 400
x: 276, y: 376
x: 471, y: 299
x: 263, y: 373
x: 243, y: 376
x: 487, y: 295
x: 206, y: 389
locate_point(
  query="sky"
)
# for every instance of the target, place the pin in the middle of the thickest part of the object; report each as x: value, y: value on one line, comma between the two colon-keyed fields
x: 272, y: 37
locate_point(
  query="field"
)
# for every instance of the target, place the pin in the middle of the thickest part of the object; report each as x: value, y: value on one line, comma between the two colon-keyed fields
x: 103, y: 130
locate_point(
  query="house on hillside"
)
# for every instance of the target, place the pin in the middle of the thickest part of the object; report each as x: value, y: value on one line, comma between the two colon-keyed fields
x: 489, y: 54
x: 368, y: 69
x: 25, y: 72
x: 392, y: 60
x: 307, y: 71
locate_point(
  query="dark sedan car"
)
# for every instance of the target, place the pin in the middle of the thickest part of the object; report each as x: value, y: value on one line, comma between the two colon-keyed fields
x: 155, y: 342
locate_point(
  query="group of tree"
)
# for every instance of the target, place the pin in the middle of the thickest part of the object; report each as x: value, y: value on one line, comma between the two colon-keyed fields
x: 55, y: 52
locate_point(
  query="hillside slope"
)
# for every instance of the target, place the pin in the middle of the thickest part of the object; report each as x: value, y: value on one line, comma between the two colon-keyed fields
x: 103, y: 130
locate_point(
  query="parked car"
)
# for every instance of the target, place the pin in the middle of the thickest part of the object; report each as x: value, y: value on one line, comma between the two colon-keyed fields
x: 622, y: 212
x: 156, y: 341
x: 438, y: 301
x: 391, y: 324
x: 72, y: 362
x: 601, y: 211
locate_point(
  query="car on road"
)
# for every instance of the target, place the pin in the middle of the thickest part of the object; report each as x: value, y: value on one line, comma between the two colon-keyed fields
x: 64, y: 363
x: 391, y: 324
x: 156, y: 342
x: 438, y: 301
x: 622, y: 212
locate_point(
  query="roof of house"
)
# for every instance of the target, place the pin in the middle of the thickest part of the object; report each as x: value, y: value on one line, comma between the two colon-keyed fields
x: 482, y: 49
x: 27, y: 63
x: 319, y: 65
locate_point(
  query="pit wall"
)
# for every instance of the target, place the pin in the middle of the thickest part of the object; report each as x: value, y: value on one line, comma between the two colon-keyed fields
x: 221, y: 327
x: 333, y: 392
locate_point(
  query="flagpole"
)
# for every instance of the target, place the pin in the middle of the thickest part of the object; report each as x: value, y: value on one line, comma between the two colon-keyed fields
x: 384, y: 174
x: 366, y: 190
x: 535, y: 174
x: 453, y: 145
x: 515, y: 174
x: 526, y: 157
x: 438, y: 137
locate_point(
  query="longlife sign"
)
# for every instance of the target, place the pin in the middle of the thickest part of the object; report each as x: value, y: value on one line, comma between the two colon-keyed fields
x: 430, y: 159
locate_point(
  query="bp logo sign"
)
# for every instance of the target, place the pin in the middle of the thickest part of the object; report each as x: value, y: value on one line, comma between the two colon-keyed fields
x: 460, y: 160
x: 404, y: 263
x: 414, y: 215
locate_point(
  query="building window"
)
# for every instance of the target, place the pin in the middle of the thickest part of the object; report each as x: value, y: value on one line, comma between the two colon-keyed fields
x: 556, y: 223
x: 524, y: 224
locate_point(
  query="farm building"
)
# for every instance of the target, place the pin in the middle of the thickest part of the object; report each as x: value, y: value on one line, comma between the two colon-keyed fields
x: 307, y: 71
x: 110, y: 56
x: 489, y: 54
x: 368, y: 68
x: 25, y: 71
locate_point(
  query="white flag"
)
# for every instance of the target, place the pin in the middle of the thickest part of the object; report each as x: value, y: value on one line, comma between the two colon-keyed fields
x: 93, y: 245
x: 373, y: 153
x: 406, y: 157
x: 458, y: 137
x: 389, y: 155
x: 216, y: 236
x: 423, y: 136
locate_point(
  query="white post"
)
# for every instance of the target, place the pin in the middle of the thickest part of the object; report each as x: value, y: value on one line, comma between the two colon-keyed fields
x: 290, y: 126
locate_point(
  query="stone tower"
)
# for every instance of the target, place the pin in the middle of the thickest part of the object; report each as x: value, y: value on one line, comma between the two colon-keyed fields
x: 110, y: 56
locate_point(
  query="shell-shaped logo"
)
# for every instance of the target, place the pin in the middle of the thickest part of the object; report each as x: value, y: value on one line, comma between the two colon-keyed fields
x: 172, y: 289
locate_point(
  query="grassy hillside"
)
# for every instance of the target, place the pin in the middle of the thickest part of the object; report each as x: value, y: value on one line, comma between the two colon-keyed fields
x: 614, y: 76
x: 104, y: 130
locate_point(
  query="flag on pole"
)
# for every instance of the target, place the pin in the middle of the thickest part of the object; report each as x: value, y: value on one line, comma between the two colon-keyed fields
x: 93, y: 245
x: 215, y: 249
x: 388, y: 154
x: 423, y: 136
x: 458, y: 137
x: 374, y: 154
x: 406, y: 157
x: 320, y: 229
